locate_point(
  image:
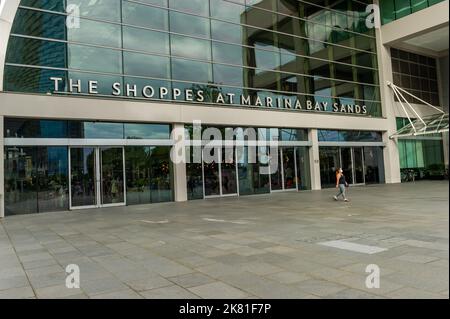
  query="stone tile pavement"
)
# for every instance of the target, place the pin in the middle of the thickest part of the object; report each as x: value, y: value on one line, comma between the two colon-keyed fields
x: 264, y: 246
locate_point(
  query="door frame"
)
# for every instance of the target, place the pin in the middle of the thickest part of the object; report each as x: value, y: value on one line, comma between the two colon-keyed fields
x: 281, y: 167
x: 98, y: 178
x: 352, y: 157
x: 220, y: 176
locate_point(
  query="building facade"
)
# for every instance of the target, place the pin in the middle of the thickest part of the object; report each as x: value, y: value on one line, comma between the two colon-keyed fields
x: 96, y: 97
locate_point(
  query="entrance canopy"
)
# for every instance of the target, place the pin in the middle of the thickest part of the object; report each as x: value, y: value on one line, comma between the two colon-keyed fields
x: 437, y: 123
x: 432, y: 124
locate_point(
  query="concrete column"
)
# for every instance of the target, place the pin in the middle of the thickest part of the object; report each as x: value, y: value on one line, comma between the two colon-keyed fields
x: 314, y: 160
x: 2, y: 171
x: 390, y: 152
x: 179, y: 163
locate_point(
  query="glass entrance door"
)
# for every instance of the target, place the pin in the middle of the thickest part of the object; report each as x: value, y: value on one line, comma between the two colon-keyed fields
x: 347, y: 163
x: 97, y: 177
x: 358, y: 164
x: 220, y: 173
x: 285, y: 177
x: 276, y: 177
x: 112, y: 176
x: 228, y: 172
x: 353, y: 164
x: 83, y: 179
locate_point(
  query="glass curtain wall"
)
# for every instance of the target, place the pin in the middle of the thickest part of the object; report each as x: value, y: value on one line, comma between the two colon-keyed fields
x: 319, y: 51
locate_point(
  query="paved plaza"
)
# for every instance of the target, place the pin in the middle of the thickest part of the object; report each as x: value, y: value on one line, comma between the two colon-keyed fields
x: 283, y: 245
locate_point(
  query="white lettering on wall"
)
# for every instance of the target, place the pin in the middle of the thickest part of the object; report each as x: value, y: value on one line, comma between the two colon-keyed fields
x: 76, y: 86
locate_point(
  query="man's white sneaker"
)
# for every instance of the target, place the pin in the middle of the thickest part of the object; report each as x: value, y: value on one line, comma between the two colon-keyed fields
x: 335, y: 198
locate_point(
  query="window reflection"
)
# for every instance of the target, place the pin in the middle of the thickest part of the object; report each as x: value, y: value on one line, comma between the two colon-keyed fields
x: 145, y: 40
x: 99, y: 9
x: 187, y: 70
x: 189, y: 24
x: 94, y: 59
x: 36, y: 179
x: 147, y: 131
x: 96, y: 130
x: 227, y: 10
x: 148, y: 172
x: 200, y: 7
x: 190, y: 47
x: 227, y: 32
x: 104, y: 33
x: 144, y: 16
x: 228, y: 53
x: 146, y: 65
x: 39, y: 24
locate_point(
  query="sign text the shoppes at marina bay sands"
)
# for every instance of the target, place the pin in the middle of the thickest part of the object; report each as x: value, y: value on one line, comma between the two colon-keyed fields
x: 204, y: 94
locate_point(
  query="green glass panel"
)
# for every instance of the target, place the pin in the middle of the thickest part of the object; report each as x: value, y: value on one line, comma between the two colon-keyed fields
x: 417, y: 5
x: 387, y: 11
x: 402, y: 8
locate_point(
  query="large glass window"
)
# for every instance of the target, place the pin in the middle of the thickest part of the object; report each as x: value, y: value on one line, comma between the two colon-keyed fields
x: 146, y: 65
x: 349, y: 136
x: 36, y: 52
x: 200, y: 7
x: 101, y: 9
x: 30, y: 128
x: 144, y: 16
x: 96, y: 130
x: 36, y: 179
x: 189, y: 24
x: 187, y: 70
x: 417, y: 74
x: 147, y: 131
x: 98, y: 33
x: 190, y: 47
x: 148, y: 171
x: 39, y: 24
x: 145, y: 40
x: 87, y: 58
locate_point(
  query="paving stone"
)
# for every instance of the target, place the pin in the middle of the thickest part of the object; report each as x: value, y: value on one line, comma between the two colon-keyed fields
x: 413, y: 293
x: 417, y: 258
x: 17, y: 293
x: 218, y: 290
x: 148, y: 283
x: 191, y: 280
x: 56, y: 292
x: 120, y: 294
x: 288, y: 277
x: 13, y: 282
x: 171, y: 292
x: 101, y: 286
x: 321, y: 288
